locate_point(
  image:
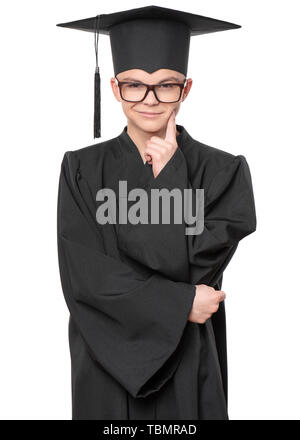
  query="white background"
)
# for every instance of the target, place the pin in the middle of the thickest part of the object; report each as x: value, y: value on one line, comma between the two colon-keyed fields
x: 244, y: 99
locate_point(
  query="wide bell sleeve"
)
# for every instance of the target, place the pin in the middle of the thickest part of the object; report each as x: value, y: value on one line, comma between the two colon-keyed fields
x: 132, y: 324
x: 229, y: 216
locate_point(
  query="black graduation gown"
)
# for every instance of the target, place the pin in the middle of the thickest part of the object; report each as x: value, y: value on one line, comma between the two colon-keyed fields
x: 130, y: 287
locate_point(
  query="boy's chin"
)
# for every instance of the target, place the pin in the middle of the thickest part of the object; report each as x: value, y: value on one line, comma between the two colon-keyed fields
x: 150, y: 124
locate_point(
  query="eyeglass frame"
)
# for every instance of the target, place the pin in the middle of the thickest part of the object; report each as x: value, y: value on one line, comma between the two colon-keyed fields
x: 151, y: 87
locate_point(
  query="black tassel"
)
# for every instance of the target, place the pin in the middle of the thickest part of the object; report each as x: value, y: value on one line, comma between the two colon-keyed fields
x: 97, y: 85
x: 97, y: 104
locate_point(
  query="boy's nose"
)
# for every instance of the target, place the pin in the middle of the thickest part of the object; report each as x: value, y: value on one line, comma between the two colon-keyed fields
x: 150, y: 97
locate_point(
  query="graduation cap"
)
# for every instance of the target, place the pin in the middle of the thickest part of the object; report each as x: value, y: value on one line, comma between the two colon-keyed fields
x: 147, y: 38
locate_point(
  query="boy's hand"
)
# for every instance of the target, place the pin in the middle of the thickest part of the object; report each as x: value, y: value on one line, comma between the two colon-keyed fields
x: 206, y: 302
x: 159, y: 151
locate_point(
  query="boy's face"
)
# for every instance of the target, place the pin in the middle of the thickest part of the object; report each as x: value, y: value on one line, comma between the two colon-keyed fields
x: 134, y: 110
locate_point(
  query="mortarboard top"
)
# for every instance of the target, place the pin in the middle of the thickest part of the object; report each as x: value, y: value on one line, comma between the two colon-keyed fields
x: 147, y: 38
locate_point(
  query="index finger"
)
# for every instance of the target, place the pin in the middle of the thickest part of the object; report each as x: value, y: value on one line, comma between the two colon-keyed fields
x: 171, y: 128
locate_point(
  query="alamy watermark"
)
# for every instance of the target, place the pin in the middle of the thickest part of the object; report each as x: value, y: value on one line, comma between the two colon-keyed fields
x: 138, y: 212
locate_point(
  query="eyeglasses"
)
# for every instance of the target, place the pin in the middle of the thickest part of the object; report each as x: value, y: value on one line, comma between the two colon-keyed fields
x: 137, y: 91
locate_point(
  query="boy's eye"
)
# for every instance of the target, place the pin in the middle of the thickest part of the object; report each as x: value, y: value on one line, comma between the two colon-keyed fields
x: 166, y: 86
x: 135, y: 85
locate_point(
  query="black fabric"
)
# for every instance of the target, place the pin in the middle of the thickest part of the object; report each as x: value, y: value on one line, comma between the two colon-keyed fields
x: 130, y: 288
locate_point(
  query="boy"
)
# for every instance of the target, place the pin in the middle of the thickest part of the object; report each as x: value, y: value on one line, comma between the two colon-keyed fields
x: 147, y: 318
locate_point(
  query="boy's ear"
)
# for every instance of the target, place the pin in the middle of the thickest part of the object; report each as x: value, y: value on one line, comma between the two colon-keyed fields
x: 115, y: 89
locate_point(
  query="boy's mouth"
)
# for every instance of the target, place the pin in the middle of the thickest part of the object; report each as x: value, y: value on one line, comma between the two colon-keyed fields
x: 150, y: 114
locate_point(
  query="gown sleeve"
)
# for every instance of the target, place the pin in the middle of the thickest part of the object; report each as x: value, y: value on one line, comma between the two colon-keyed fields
x: 132, y: 323
x: 229, y: 216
